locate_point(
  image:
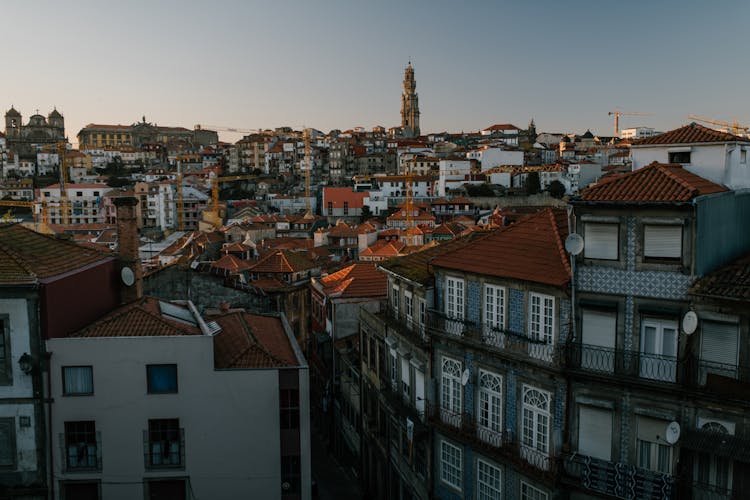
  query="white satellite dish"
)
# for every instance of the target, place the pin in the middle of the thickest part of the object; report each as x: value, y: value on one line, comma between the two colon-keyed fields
x: 465, y: 377
x: 689, y: 322
x: 672, y: 433
x: 127, y: 276
x: 574, y: 244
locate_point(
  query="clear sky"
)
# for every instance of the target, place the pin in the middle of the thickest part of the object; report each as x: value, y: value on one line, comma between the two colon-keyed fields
x: 339, y: 63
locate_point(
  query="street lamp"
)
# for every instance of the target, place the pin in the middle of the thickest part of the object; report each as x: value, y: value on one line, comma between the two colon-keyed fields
x: 26, y: 362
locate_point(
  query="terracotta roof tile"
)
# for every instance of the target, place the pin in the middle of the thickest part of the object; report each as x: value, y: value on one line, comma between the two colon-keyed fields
x: 383, y: 249
x: 283, y: 261
x: 142, y: 318
x: 530, y: 250
x: 361, y: 279
x: 689, y: 134
x: 252, y: 341
x: 338, y: 195
x: 656, y: 183
x: 731, y: 281
x: 27, y: 256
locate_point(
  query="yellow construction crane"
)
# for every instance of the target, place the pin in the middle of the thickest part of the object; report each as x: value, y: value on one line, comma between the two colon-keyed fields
x: 735, y: 127
x: 617, y: 113
x: 64, y: 201
x: 30, y: 205
x: 214, y: 215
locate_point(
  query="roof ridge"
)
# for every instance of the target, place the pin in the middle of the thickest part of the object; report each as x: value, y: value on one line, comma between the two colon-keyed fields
x: 665, y: 169
x: 558, y: 239
x: 17, y: 259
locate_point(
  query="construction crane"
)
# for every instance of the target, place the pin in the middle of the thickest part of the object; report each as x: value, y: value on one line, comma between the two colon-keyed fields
x: 30, y: 205
x: 64, y: 201
x: 617, y: 113
x: 734, y: 126
x: 233, y: 130
x: 213, y: 216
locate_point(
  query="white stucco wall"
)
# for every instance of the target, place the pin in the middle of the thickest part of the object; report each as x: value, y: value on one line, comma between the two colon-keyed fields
x: 230, y: 417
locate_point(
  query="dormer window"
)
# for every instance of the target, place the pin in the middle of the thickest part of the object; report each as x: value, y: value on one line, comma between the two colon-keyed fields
x: 679, y: 157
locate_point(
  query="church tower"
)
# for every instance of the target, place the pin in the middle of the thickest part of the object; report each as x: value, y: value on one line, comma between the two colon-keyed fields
x: 12, y: 123
x: 410, y: 105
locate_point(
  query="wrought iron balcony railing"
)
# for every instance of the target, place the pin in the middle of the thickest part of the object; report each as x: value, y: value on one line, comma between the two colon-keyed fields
x: 408, y: 326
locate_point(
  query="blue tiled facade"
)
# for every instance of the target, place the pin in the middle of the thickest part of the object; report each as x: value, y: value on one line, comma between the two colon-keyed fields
x: 473, y: 301
x: 516, y: 317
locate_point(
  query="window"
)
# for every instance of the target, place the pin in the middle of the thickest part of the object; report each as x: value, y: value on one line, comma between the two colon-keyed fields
x: 494, y: 307
x: 529, y: 492
x: 394, y: 369
x: 713, y: 472
x: 419, y: 391
x: 422, y: 309
x: 489, y: 481
x: 454, y: 298
x: 743, y: 156
x: 450, y: 387
x: 598, y: 328
x: 541, y: 317
x: 679, y: 157
x: 451, y: 458
x: 290, y: 475
x: 595, y: 432
x: 658, y: 357
x: 394, y: 299
x: 165, y: 445
x: 535, y: 426
x: 81, y: 446
x: 602, y: 241
x: 662, y: 242
x: 330, y: 208
x: 289, y: 406
x: 6, y: 363
x: 653, y: 452
x: 161, y: 379
x: 346, y: 208
x: 490, y: 411
x: 165, y: 488
x: 78, y: 380
x: 405, y: 379
x: 409, y: 308
x: 719, y: 348
x: 7, y: 443
x: 79, y: 490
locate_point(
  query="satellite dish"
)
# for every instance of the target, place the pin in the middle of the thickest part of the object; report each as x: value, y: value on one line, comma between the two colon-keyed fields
x: 574, y: 244
x: 127, y: 276
x: 689, y: 322
x: 465, y: 377
x: 672, y: 433
x: 286, y: 486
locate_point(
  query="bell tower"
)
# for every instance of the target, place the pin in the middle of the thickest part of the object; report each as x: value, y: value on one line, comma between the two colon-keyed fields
x: 410, y: 105
x: 12, y: 123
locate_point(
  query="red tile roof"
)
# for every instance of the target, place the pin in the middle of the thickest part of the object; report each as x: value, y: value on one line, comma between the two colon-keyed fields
x: 656, y: 183
x: 27, y: 256
x: 383, y: 249
x: 360, y: 280
x: 338, y: 195
x: 689, y: 134
x: 530, y: 250
x: 283, y: 261
x: 231, y: 263
x: 729, y: 282
x: 502, y: 126
x: 142, y: 318
x: 252, y: 341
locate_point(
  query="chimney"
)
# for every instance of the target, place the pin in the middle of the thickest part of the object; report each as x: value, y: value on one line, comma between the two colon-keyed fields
x: 127, y: 249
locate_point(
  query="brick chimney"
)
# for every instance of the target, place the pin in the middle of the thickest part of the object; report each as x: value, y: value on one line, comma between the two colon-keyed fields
x: 127, y: 248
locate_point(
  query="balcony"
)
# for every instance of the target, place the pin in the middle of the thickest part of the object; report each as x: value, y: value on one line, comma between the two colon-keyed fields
x: 636, y: 365
x: 409, y: 327
x: 82, y: 454
x: 164, y: 449
x: 505, y: 341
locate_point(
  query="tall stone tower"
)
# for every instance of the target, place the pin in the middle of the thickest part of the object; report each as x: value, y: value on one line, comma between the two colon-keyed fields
x: 12, y: 123
x: 410, y: 105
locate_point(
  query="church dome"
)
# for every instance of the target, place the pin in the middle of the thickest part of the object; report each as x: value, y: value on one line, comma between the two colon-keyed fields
x: 37, y: 120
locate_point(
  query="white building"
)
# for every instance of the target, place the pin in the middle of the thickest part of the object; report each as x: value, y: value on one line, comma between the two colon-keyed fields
x: 638, y: 132
x: 84, y: 203
x: 451, y: 174
x: 717, y: 156
x: 490, y: 157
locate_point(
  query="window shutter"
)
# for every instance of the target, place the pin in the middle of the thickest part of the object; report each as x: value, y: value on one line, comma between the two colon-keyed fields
x: 599, y: 328
x: 595, y: 432
x: 662, y: 241
x: 719, y: 342
x: 405, y: 371
x: 601, y: 241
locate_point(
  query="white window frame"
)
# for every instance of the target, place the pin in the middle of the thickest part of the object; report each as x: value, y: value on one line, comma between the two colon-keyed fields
x: 659, y: 365
x: 536, y: 424
x: 490, y: 407
x: 451, y: 464
x: 494, y: 307
x: 454, y: 297
x: 670, y: 248
x: 394, y: 299
x: 489, y: 481
x: 530, y: 492
x: 422, y: 313
x: 451, y: 390
x: 650, y: 448
x: 542, y: 317
x: 409, y: 308
x: 602, y: 240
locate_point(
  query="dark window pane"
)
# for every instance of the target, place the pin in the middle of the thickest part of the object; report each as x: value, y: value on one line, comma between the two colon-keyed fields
x: 161, y: 378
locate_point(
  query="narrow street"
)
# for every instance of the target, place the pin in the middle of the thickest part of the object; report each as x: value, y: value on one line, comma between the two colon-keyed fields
x: 334, y: 481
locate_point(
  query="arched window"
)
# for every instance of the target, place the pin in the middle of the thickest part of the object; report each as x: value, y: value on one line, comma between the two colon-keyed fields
x: 450, y: 399
x: 536, y: 417
x: 490, y: 401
